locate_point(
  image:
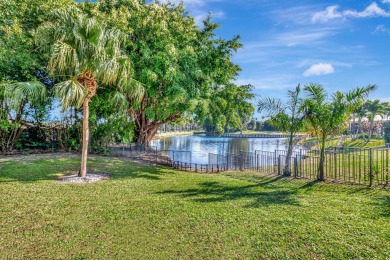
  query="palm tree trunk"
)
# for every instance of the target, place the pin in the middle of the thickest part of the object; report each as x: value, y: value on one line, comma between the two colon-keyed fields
x: 370, y: 130
x: 361, y: 130
x: 85, y: 142
x: 321, y: 174
x: 287, y: 170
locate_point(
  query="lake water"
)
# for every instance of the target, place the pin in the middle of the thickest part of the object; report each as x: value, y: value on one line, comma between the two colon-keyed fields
x: 200, y: 147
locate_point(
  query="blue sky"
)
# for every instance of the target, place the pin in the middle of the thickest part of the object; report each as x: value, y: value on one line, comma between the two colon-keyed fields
x: 340, y: 44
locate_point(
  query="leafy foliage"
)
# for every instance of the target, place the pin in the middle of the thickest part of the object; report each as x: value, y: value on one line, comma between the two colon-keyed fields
x: 230, y: 107
x: 84, y: 53
x: 180, y: 65
x: 19, y: 60
x: 287, y: 117
x: 326, y: 116
x: 17, y: 101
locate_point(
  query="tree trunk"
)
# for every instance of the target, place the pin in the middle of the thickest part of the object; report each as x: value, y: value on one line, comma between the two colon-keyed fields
x: 321, y: 174
x: 145, y: 133
x: 361, y: 130
x: 89, y: 82
x: 146, y: 129
x: 85, y: 142
x: 287, y: 165
x: 370, y: 131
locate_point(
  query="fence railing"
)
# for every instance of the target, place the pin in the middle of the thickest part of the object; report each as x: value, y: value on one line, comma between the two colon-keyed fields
x: 351, y: 165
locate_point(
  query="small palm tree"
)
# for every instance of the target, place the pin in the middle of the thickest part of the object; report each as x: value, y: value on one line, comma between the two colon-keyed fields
x: 373, y: 108
x: 326, y: 115
x: 360, y: 113
x: 286, y: 117
x: 83, y: 53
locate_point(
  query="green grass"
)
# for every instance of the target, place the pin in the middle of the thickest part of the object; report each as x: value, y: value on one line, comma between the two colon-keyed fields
x: 156, y: 213
x: 347, y: 142
x: 250, y: 132
x: 177, y: 133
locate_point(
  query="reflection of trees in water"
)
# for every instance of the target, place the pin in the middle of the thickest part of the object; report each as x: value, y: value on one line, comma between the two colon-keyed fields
x: 179, y: 143
x: 204, y: 145
x: 236, y: 145
x: 163, y: 143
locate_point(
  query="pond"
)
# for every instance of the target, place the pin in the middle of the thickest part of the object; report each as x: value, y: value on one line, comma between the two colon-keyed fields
x: 199, y: 147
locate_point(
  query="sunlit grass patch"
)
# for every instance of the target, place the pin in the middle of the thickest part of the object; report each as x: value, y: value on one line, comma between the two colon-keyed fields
x: 157, y: 213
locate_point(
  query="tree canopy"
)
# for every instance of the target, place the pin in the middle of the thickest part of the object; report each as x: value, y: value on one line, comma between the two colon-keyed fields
x: 176, y: 69
x: 181, y: 66
x: 326, y: 116
x: 286, y: 117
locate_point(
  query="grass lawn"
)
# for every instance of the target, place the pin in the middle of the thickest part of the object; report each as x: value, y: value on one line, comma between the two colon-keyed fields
x: 348, y: 142
x: 177, y: 133
x: 157, y: 213
x: 253, y: 132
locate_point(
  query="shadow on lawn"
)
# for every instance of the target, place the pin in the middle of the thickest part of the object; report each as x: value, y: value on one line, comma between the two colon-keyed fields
x: 25, y: 169
x: 384, y: 204
x: 219, y: 192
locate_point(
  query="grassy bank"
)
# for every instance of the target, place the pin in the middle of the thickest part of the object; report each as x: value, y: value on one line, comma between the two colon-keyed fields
x: 156, y: 213
x: 253, y: 132
x: 178, y: 133
x: 347, y: 142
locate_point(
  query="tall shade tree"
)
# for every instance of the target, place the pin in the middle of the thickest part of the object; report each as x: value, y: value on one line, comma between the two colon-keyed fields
x: 180, y: 65
x: 286, y: 117
x: 19, y: 60
x: 229, y: 107
x: 327, y: 115
x: 83, y: 53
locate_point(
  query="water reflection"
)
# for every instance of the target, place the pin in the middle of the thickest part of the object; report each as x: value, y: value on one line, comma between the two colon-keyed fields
x: 200, y: 147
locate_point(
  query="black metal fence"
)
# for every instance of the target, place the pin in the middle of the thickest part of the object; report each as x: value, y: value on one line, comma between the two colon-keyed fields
x: 351, y: 165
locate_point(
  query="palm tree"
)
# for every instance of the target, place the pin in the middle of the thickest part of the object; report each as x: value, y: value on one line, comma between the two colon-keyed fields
x: 359, y: 114
x: 286, y: 117
x: 83, y: 53
x: 14, y: 99
x: 326, y: 116
x: 372, y: 109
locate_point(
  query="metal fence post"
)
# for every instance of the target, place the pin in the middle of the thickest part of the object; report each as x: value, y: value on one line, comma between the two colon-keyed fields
x: 370, y: 170
x: 295, y: 166
x: 335, y: 162
x: 279, y: 166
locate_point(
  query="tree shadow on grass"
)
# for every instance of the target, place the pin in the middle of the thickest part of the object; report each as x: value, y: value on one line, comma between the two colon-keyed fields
x: 27, y: 169
x: 210, y: 192
x: 385, y: 205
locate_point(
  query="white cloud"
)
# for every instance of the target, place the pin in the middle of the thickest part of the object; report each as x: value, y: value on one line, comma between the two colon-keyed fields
x: 386, y: 1
x: 295, y: 38
x: 381, y: 29
x: 331, y: 13
x: 319, y: 69
x: 372, y: 10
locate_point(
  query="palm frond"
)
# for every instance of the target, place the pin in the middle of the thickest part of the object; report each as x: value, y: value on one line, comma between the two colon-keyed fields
x: 120, y: 101
x: 31, y: 92
x: 358, y: 94
x: 270, y: 105
x: 316, y: 92
x: 71, y: 93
